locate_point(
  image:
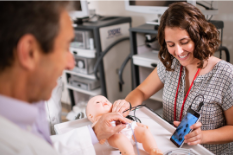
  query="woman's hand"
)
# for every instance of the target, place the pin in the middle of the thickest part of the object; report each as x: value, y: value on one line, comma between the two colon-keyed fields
x: 121, y: 106
x: 196, y: 136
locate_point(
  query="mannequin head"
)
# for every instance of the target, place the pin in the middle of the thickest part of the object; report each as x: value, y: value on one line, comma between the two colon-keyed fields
x: 97, y: 106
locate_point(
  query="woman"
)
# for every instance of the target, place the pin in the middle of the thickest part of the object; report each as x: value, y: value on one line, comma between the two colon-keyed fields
x: 187, y: 70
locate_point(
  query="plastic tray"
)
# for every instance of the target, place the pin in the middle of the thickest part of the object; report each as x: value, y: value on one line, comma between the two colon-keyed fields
x: 160, y: 129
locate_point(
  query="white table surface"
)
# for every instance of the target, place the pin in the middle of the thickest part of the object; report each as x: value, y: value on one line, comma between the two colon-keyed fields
x: 160, y: 129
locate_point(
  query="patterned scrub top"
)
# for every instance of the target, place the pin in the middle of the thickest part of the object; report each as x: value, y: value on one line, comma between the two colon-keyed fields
x: 217, y: 89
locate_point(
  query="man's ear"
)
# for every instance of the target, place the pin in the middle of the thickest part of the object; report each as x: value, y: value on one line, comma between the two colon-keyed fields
x: 27, y: 51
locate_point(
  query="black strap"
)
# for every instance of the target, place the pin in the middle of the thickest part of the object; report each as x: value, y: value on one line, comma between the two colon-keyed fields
x: 130, y: 106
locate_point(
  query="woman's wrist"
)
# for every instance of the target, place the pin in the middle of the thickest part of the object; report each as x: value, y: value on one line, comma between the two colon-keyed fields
x: 207, y: 138
x: 203, y: 139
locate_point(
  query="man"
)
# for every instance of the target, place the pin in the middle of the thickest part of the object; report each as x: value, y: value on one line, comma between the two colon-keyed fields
x: 34, y: 50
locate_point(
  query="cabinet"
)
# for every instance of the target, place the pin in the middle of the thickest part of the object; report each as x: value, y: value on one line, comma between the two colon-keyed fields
x: 110, y: 47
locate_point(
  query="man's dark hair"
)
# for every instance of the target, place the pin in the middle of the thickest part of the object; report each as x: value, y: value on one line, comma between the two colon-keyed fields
x: 41, y: 19
x: 187, y: 17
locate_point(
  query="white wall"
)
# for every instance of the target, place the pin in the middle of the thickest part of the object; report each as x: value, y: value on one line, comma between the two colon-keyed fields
x: 225, y: 14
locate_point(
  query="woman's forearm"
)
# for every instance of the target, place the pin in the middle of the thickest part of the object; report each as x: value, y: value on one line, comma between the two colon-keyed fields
x: 218, y: 136
x: 136, y: 97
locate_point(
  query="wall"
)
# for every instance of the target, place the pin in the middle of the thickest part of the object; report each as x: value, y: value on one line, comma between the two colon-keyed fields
x: 226, y: 15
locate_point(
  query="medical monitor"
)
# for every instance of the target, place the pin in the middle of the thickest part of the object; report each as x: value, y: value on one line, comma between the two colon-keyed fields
x: 153, y: 7
x: 80, y: 9
x: 159, y: 7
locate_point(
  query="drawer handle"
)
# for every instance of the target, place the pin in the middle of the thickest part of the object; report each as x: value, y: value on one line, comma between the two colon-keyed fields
x: 154, y: 65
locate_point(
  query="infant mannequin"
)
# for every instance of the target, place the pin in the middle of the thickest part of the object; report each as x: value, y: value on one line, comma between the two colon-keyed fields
x: 99, y: 105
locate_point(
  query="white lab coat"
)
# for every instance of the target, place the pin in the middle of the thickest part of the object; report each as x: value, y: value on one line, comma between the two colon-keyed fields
x: 16, y: 141
x: 53, y: 106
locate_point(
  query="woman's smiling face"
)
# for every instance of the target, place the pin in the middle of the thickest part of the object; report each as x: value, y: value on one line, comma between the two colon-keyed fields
x: 180, y: 45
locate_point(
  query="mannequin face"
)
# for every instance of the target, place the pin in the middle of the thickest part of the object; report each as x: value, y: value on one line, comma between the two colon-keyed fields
x: 97, y: 106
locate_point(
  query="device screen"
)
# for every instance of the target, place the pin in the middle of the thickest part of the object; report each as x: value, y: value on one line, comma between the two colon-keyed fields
x: 184, y: 128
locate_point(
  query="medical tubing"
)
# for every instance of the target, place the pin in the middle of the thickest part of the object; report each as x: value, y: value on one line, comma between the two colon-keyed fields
x: 120, y: 73
x: 134, y: 109
x: 200, y: 104
x: 130, y: 105
x: 134, y: 138
x: 104, y: 53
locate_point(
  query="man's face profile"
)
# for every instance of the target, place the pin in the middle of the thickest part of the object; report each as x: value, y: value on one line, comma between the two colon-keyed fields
x: 51, y: 65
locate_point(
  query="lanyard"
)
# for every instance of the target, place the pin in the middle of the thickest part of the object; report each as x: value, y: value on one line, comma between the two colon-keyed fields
x: 182, y: 108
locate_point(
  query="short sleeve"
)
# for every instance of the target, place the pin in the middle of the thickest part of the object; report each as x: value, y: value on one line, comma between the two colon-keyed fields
x: 228, y: 98
x: 228, y: 95
x: 161, y: 70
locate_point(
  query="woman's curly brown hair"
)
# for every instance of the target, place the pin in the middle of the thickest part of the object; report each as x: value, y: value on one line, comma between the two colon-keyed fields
x: 188, y: 17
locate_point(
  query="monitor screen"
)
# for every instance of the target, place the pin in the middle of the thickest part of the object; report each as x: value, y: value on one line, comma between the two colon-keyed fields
x: 159, y: 7
x: 154, y: 7
x: 77, y: 6
x: 152, y: 3
x: 80, y: 9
